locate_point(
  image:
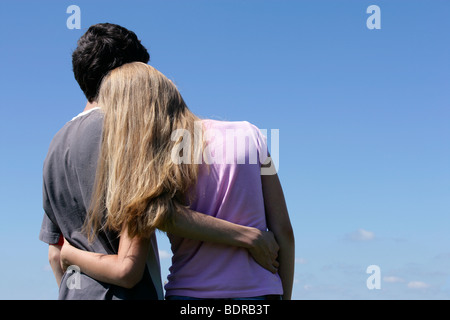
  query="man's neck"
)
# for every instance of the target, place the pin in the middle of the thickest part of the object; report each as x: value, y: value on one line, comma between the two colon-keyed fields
x: 90, y: 105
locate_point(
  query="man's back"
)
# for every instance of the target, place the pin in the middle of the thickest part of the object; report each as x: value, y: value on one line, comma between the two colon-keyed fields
x: 69, y: 174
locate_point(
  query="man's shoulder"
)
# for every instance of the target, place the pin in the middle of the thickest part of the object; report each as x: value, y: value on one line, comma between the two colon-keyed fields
x: 83, y: 129
x: 80, y: 125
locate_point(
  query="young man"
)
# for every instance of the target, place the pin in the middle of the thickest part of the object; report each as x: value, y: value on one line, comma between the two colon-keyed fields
x: 69, y: 171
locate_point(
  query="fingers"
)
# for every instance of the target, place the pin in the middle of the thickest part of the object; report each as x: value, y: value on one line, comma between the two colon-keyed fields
x: 271, y: 268
x: 269, y: 264
x: 266, y: 253
x: 274, y: 267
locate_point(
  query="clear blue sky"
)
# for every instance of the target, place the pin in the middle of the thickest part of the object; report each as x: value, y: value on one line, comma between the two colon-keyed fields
x: 363, y: 117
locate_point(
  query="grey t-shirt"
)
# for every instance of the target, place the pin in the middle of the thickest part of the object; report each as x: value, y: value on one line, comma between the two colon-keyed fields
x: 69, y: 174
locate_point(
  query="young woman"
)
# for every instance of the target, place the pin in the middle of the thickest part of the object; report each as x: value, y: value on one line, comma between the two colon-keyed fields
x: 156, y: 160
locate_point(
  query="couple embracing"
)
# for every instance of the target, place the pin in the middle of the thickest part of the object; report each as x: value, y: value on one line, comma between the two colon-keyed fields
x: 116, y: 172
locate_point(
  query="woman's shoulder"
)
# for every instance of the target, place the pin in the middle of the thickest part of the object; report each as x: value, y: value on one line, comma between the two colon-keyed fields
x: 225, y: 125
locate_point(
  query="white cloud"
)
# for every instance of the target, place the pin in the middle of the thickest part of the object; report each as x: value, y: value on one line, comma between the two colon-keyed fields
x: 393, y: 279
x: 417, y: 285
x: 163, y: 254
x: 301, y: 261
x: 360, y: 235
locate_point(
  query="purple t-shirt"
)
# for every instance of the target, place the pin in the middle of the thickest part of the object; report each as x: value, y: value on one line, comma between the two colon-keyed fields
x: 229, y: 189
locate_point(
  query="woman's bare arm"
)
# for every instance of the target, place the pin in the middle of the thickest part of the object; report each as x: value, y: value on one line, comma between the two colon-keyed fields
x: 279, y: 223
x: 124, y: 269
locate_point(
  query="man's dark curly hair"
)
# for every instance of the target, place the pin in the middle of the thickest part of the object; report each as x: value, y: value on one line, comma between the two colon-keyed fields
x: 102, y: 48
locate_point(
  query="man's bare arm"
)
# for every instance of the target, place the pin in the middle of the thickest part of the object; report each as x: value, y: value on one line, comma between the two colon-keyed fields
x: 53, y: 258
x: 194, y: 225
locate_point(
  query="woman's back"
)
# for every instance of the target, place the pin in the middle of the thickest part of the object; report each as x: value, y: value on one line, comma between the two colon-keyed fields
x: 228, y: 188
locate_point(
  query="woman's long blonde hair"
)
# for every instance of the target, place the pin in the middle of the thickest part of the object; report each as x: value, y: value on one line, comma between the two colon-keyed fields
x: 137, y: 184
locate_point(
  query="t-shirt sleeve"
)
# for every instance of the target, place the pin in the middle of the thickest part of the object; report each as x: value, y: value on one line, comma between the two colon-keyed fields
x: 261, y: 142
x: 50, y: 232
